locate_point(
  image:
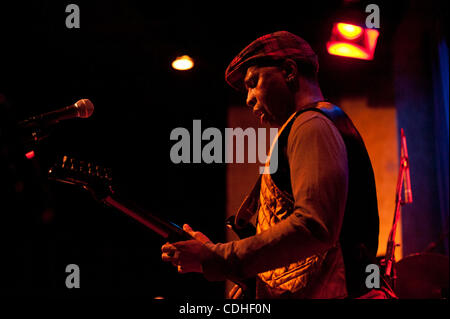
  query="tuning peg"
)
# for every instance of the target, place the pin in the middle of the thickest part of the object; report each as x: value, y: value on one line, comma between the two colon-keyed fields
x: 102, y: 173
x: 82, y: 166
x: 64, y: 162
x: 97, y: 170
x: 108, y: 174
x: 72, y: 162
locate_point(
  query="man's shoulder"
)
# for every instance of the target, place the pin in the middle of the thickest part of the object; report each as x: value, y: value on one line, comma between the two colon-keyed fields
x: 313, y: 125
x: 312, y: 119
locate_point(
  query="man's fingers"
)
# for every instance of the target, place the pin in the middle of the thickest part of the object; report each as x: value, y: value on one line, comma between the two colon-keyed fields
x: 170, y: 253
x: 167, y: 247
x: 196, y: 234
x: 187, y: 254
x: 189, y: 230
x: 169, y: 257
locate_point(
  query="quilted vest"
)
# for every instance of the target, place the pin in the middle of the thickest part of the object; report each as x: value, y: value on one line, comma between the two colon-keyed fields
x: 320, y: 276
x: 274, y: 206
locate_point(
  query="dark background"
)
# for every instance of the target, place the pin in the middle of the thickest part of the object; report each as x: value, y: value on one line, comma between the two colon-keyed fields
x: 120, y: 59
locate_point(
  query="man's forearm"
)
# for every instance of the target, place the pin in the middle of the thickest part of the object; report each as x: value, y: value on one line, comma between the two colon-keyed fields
x: 293, y: 239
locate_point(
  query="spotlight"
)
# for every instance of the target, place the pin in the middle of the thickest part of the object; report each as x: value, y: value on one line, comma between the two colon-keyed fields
x: 183, y: 63
x: 352, y: 41
x: 30, y: 154
x: 349, y: 31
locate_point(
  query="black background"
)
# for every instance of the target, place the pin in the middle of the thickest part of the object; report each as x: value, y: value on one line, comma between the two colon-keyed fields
x: 120, y: 59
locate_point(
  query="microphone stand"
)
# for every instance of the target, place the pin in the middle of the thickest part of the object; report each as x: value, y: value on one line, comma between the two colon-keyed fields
x: 34, y: 130
x: 32, y: 137
x: 402, y: 180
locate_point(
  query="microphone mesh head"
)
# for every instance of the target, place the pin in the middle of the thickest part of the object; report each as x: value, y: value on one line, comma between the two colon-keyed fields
x: 85, y: 108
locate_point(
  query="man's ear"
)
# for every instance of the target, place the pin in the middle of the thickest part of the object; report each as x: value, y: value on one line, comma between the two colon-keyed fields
x: 290, y: 70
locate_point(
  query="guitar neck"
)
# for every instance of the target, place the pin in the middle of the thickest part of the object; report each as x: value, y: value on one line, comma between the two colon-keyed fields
x: 168, y: 230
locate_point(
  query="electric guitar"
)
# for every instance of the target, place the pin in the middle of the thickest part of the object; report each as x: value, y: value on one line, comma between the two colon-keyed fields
x: 98, y: 181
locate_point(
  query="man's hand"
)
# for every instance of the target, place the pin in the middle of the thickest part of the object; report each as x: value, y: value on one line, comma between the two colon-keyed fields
x: 187, y: 255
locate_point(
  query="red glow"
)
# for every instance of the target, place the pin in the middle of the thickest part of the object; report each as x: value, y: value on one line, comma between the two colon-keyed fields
x: 349, y: 31
x: 347, y: 50
x: 372, y: 36
x: 352, y: 41
x: 29, y: 155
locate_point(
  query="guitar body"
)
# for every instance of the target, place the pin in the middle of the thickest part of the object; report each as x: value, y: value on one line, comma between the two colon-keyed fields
x: 249, y: 285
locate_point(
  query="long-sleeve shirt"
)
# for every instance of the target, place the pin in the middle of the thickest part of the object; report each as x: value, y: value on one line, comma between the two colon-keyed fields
x: 318, y: 171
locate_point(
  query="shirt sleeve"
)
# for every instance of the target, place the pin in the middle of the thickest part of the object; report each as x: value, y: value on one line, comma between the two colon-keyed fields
x: 319, y: 178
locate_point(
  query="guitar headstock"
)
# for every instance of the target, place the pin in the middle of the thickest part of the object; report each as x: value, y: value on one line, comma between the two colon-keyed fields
x: 88, y: 175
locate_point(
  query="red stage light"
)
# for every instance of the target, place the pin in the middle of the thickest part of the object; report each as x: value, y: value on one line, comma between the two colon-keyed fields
x: 29, y: 155
x: 348, y: 50
x: 349, y: 31
x: 352, y: 41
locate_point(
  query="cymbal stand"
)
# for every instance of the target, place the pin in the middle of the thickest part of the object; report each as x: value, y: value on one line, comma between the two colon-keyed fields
x: 402, y: 180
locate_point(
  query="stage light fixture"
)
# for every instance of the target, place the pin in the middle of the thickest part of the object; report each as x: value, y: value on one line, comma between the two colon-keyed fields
x: 183, y: 63
x: 349, y: 31
x: 352, y: 41
x: 30, y: 154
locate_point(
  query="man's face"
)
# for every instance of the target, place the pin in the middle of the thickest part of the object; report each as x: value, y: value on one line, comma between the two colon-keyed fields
x: 268, y: 94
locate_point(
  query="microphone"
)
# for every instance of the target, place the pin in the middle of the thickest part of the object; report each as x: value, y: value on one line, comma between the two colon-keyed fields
x: 82, y: 109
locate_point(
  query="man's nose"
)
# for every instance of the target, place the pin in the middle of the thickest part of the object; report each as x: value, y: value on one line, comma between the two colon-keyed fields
x: 251, y: 100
